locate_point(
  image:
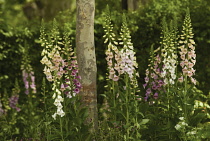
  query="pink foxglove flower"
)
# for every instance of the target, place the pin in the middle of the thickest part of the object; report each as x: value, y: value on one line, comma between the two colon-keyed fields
x: 60, y: 68
x: 121, y: 61
x: 28, y: 74
x: 29, y: 81
x: 72, y: 87
x: 154, y: 83
x: 187, y: 51
x: 112, y: 57
x: 13, y: 101
x: 128, y: 62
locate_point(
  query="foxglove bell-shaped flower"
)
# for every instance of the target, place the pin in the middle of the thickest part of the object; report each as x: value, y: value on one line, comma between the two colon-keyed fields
x: 187, y: 51
x: 60, y: 67
x: 169, y: 54
x: 13, y: 101
x: 153, y: 79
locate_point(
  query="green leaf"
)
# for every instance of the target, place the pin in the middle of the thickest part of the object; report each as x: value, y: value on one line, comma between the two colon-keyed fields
x: 144, y: 121
x: 103, y: 95
x: 198, y: 118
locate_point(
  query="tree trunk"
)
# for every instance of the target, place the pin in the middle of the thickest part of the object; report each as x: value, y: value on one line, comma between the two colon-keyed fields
x: 86, y: 57
x: 124, y: 4
x: 134, y: 4
x: 130, y: 5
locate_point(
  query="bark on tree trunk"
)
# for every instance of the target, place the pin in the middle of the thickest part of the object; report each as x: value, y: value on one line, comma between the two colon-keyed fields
x: 130, y: 5
x: 86, y: 57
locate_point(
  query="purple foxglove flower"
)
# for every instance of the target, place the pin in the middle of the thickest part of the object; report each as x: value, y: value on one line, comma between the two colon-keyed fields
x: 154, y: 87
x: 148, y: 90
x: 155, y: 77
x: 17, y: 109
x: 145, y: 98
x: 62, y: 87
x: 153, y: 83
x: 32, y: 78
x: 73, y: 74
x: 66, y: 92
x: 155, y: 95
x: 26, y: 84
x: 146, y: 79
x: 66, y: 85
x: 76, y: 90
x: 76, y: 71
x: 78, y: 85
x: 144, y: 85
x: 13, y: 100
x: 160, y: 82
x: 78, y: 77
x: 33, y: 86
x: 75, y: 81
x: 147, y: 94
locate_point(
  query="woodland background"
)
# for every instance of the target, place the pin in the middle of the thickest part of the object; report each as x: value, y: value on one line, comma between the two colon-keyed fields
x: 20, y: 23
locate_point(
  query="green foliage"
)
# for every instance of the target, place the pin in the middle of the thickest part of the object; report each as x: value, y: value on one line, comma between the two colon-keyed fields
x: 20, y: 46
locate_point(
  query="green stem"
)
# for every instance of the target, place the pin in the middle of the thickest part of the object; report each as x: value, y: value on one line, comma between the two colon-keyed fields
x: 61, y: 129
x: 168, y: 105
x: 30, y: 112
x: 168, y: 91
x: 185, y: 105
x: 127, y: 105
x: 185, y: 98
x: 45, y: 109
x: 114, y: 99
x: 65, y: 110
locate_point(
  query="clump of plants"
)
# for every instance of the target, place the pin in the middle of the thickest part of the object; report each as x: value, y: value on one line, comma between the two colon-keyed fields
x: 168, y: 107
